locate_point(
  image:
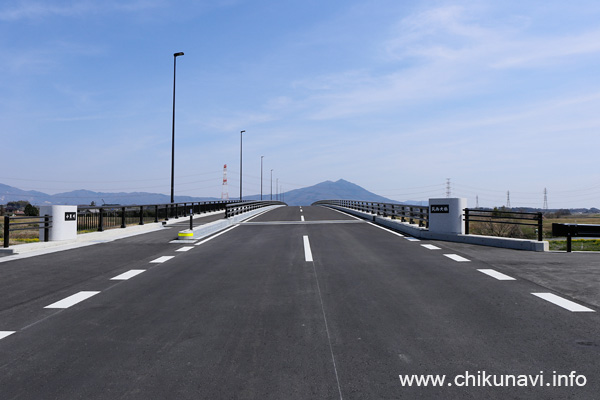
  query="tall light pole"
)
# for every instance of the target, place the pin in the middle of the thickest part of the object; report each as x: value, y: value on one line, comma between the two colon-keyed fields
x: 271, y: 185
x: 173, y: 139
x: 261, y: 175
x: 241, y: 164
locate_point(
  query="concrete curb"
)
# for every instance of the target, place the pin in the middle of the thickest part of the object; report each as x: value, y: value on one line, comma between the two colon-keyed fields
x: 94, y: 237
x: 424, y: 233
x: 202, y: 231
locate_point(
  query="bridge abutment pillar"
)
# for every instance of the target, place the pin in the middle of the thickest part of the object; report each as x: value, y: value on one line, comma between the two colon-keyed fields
x: 446, y: 215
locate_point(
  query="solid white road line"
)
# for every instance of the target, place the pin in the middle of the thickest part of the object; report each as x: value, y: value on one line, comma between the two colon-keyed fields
x: 307, y: 252
x: 430, y: 247
x: 4, y: 334
x: 564, y: 303
x: 161, y: 260
x: 257, y: 215
x: 346, y: 214
x: 302, y: 218
x: 127, y: 275
x: 185, y: 248
x: 456, y: 257
x: 72, y: 300
x: 218, y: 234
x: 498, y: 275
x: 385, y: 229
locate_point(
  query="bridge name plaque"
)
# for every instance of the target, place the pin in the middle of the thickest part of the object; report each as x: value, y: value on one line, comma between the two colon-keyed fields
x: 439, y: 209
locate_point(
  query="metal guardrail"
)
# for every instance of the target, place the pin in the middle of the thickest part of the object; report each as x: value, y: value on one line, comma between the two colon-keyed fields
x: 575, y: 230
x: 104, y: 217
x: 505, y: 217
x: 239, y: 208
x: 43, y: 222
x: 404, y: 212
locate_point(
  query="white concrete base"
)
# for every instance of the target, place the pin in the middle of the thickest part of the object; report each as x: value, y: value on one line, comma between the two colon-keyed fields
x: 424, y: 233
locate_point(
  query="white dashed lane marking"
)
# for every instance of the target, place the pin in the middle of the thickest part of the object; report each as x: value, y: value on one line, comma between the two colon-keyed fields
x: 4, y: 334
x: 127, y: 275
x: 307, y: 252
x: 302, y: 218
x: 72, y: 300
x: 161, y: 260
x: 185, y: 248
x: 430, y: 247
x: 412, y: 239
x: 456, y: 257
x: 564, y: 303
x: 495, y: 274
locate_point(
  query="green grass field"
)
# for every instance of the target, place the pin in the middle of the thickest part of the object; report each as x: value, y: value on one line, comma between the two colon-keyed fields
x: 576, y: 245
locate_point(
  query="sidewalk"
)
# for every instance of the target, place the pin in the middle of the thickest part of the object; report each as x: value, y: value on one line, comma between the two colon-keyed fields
x: 88, y: 239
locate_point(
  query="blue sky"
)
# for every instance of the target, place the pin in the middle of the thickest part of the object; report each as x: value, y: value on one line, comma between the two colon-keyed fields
x: 395, y: 96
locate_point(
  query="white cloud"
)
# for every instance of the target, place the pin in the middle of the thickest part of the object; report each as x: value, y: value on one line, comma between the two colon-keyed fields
x: 36, y: 9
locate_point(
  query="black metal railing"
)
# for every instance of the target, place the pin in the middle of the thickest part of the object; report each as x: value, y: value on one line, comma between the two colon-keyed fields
x: 492, y: 218
x: 239, y: 208
x: 412, y: 214
x: 99, y: 218
x: 25, y: 224
x: 575, y: 230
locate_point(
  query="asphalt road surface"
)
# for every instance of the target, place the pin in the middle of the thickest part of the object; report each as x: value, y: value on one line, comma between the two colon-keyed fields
x: 296, y: 303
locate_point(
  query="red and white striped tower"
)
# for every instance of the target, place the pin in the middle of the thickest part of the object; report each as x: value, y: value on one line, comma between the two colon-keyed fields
x: 224, y: 191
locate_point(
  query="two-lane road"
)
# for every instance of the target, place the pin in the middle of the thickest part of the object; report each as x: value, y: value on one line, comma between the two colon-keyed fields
x: 296, y: 303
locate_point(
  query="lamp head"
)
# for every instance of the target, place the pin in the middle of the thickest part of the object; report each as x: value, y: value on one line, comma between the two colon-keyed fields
x: 178, y: 54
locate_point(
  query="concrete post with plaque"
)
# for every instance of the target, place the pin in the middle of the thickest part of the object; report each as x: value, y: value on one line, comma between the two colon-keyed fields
x: 446, y: 215
x: 63, y: 222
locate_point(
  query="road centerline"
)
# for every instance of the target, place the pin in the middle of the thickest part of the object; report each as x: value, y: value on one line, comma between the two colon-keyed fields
x: 307, y: 251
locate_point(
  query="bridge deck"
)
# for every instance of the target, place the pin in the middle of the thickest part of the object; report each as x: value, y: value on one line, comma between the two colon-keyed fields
x: 280, y: 308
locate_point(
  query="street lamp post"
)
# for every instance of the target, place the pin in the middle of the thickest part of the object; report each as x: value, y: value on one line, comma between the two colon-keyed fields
x: 271, y: 185
x: 173, y: 131
x: 261, y: 176
x: 241, y: 164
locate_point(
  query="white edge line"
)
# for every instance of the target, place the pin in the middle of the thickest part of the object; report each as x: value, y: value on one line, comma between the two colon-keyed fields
x: 4, y: 334
x: 561, y: 302
x: 307, y: 252
x: 127, y: 275
x: 218, y: 234
x: 72, y: 300
x: 498, y: 275
x: 257, y: 215
x: 385, y: 229
x: 347, y: 214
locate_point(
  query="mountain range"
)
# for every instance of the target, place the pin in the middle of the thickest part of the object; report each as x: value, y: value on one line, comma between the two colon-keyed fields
x: 339, y: 190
